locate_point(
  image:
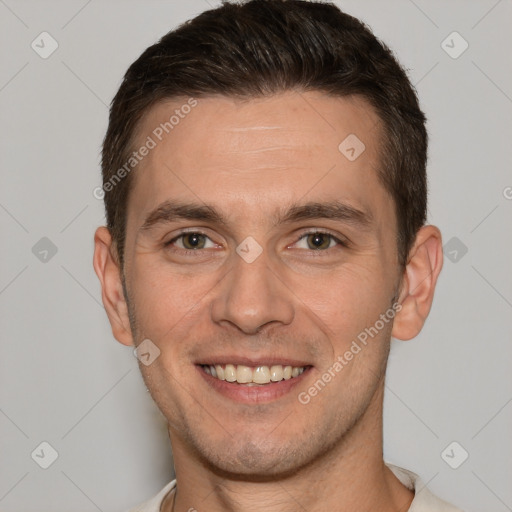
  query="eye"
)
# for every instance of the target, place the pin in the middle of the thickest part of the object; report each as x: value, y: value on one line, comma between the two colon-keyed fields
x: 190, y: 241
x: 319, y: 241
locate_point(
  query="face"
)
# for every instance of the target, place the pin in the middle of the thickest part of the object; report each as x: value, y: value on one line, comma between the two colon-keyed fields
x: 281, y: 253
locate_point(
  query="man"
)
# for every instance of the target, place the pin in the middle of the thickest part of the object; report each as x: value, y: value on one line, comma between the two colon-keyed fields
x: 265, y: 192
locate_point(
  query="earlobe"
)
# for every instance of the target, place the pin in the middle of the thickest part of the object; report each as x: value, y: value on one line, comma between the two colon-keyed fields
x: 418, y: 283
x: 108, y: 272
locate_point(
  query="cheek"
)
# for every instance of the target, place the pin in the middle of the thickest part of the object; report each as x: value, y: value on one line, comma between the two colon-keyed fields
x: 349, y: 299
x: 166, y: 302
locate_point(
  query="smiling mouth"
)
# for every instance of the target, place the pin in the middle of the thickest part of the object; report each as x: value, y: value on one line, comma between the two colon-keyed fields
x: 253, y: 376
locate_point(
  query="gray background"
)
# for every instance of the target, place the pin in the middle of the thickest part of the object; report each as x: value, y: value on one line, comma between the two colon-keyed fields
x: 66, y: 381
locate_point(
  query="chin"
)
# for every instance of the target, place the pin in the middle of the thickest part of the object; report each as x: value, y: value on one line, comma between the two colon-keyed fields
x: 267, y: 468
x: 264, y: 461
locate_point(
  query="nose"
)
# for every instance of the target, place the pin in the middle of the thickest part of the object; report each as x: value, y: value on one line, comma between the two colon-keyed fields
x: 252, y: 296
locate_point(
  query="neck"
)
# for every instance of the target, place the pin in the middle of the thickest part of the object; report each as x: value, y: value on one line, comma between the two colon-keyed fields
x: 351, y: 477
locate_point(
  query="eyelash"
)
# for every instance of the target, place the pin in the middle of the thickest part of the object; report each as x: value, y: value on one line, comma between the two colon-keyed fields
x: 197, y: 252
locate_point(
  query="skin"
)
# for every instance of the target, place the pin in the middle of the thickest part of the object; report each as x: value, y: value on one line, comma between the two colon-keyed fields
x: 250, y: 159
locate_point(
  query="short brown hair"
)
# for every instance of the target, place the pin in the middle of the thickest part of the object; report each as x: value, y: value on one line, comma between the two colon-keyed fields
x: 260, y: 48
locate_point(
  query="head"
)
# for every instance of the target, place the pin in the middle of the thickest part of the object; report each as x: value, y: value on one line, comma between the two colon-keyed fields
x: 288, y: 142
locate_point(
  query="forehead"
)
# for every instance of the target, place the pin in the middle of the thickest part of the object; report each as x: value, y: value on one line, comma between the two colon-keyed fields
x: 258, y: 152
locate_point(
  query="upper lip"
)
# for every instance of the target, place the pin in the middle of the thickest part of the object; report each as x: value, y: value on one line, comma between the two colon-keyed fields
x: 252, y: 361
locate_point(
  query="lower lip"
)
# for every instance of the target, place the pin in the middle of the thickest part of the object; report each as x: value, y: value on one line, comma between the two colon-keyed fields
x: 253, y: 394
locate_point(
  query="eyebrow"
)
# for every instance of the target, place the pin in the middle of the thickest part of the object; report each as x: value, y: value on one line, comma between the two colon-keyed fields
x: 171, y: 211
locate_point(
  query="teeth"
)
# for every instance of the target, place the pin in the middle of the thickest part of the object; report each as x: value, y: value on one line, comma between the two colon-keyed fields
x: 251, y: 376
x: 261, y: 375
x: 220, y: 372
x: 276, y: 373
x: 243, y: 374
x: 229, y: 373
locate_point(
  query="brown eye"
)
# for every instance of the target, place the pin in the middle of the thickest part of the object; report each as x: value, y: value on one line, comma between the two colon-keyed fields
x: 319, y: 241
x: 190, y: 241
x: 193, y: 240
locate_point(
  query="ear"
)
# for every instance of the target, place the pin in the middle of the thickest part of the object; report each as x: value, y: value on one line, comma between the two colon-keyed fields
x: 107, y: 269
x: 418, y: 283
